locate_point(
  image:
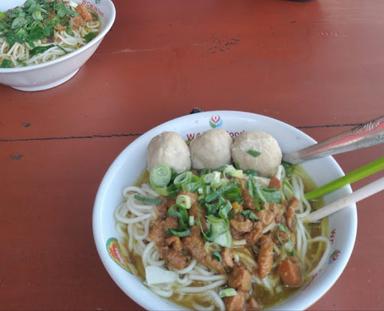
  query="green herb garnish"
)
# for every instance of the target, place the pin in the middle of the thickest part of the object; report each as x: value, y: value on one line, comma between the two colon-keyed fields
x: 6, y: 63
x: 271, y: 195
x: 160, y: 176
x: 254, y: 153
x: 89, y: 36
x: 216, y: 255
x: 35, y: 20
x: 181, y: 214
x: 282, y: 228
x: 40, y: 49
x: 179, y: 232
x: 147, y: 200
x: 249, y: 214
x: 227, y: 292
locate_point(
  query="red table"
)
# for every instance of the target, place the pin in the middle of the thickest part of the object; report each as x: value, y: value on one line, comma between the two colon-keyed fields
x: 318, y: 65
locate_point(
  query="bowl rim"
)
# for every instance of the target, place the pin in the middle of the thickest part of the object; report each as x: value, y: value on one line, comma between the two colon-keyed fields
x: 61, y: 59
x: 135, y: 295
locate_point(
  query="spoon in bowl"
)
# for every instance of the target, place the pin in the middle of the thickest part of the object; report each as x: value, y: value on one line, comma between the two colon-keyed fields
x: 362, y: 136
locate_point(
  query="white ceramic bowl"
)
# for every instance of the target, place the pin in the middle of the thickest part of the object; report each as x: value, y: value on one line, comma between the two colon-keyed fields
x: 128, y: 166
x: 48, y: 75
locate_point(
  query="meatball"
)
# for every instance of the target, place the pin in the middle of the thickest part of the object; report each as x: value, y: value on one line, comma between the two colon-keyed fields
x: 170, y: 149
x: 211, y: 150
x: 258, y: 151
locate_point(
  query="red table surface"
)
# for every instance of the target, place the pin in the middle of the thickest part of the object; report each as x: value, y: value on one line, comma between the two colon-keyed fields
x: 318, y: 65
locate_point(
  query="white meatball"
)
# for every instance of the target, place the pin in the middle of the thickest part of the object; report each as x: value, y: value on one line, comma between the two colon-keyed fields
x: 170, y: 149
x: 258, y: 151
x: 211, y: 150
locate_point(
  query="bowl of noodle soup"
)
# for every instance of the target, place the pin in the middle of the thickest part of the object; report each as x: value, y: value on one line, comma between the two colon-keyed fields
x: 39, y: 52
x: 125, y: 176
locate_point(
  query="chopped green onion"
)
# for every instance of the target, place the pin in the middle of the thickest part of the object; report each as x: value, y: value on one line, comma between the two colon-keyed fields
x: 184, y: 201
x: 250, y: 172
x: 271, y: 195
x: 212, y: 208
x: 6, y: 63
x: 161, y: 190
x: 219, y: 232
x: 251, y: 187
x: 225, y: 209
x: 254, y: 153
x: 89, y: 36
x: 227, y: 169
x: 160, y: 176
x: 180, y: 213
x: 191, y: 221
x: 183, y: 178
x: 230, y: 170
x: 179, y: 232
x: 249, y: 214
x: 289, y: 247
x: 282, y: 228
x: 212, y: 196
x: 40, y: 49
x: 289, y: 168
x: 259, y: 194
x: 216, y: 255
x: 232, y: 192
x: 227, y: 292
x: 191, y: 187
x: 207, y: 189
x: 212, y: 178
x: 147, y: 200
x: 288, y: 190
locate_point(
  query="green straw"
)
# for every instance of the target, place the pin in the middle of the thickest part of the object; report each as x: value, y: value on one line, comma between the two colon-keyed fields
x: 356, y: 175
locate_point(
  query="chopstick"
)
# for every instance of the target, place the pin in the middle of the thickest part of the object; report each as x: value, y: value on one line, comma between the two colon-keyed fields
x: 356, y: 175
x: 351, y: 198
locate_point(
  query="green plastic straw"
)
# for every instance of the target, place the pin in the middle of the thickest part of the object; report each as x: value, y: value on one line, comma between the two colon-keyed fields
x: 356, y: 175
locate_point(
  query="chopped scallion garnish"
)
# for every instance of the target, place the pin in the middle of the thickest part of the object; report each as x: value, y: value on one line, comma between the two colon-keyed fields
x: 147, y: 200
x: 191, y: 220
x: 183, y: 178
x: 184, y: 201
x: 212, y: 178
x: 227, y: 292
x: 254, y: 153
x: 249, y: 214
x: 179, y: 232
x: 160, y: 176
x: 180, y: 213
x: 282, y: 228
x: 216, y: 255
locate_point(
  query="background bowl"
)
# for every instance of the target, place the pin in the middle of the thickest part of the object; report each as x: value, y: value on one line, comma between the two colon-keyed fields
x: 48, y: 75
x: 129, y: 165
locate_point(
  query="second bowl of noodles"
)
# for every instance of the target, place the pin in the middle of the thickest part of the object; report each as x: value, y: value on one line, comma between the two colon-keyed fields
x: 43, y: 43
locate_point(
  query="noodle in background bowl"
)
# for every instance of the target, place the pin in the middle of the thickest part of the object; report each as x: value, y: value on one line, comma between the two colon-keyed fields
x: 130, y: 164
x: 53, y: 73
